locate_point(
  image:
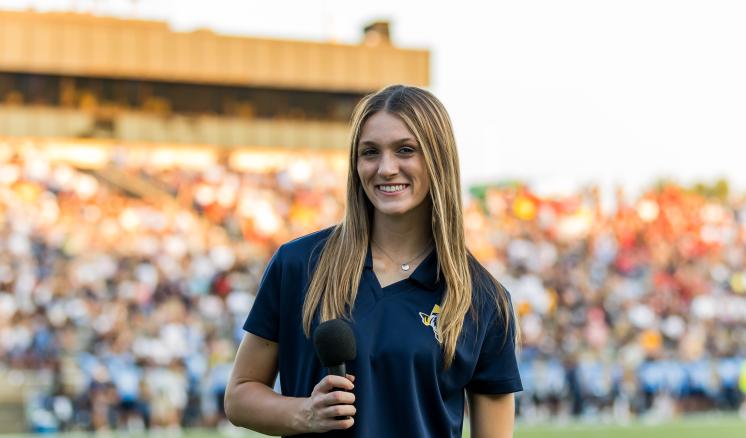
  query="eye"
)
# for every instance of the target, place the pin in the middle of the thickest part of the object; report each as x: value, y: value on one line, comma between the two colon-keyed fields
x: 366, y: 152
x: 407, y: 150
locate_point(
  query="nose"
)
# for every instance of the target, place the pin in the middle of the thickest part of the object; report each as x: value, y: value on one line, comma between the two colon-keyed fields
x: 388, y: 166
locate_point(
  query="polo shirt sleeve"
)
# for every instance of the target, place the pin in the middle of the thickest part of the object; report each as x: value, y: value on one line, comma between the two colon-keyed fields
x: 264, y: 317
x: 496, y: 370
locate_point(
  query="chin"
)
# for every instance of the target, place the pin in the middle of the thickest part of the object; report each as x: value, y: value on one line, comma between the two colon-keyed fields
x: 395, y: 211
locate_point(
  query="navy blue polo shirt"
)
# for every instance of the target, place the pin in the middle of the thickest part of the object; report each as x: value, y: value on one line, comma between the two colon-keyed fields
x: 401, y: 388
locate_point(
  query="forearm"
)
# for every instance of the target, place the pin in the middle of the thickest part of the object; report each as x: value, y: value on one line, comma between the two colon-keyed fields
x: 492, y: 415
x: 256, y: 406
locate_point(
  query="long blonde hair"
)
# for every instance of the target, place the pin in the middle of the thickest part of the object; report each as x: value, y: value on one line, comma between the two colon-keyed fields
x: 335, y: 281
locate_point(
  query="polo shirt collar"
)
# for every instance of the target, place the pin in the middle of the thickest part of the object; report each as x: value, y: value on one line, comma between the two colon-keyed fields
x: 426, y: 273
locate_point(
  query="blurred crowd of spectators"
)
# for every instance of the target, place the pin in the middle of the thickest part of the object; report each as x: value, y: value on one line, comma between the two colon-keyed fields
x: 635, y: 309
x: 129, y: 310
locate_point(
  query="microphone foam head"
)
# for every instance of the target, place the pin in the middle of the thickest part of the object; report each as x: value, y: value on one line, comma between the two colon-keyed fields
x: 334, y: 342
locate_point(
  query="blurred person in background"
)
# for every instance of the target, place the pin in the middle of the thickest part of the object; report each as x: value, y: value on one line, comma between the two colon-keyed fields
x: 398, y: 269
x: 742, y: 385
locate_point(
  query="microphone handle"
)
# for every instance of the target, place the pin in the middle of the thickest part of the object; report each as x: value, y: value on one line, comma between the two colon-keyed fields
x: 339, y: 370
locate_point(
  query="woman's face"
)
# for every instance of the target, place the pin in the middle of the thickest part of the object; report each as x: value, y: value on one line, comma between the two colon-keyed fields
x: 391, y: 166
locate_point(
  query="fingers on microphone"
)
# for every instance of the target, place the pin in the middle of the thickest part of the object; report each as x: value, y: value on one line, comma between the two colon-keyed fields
x: 340, y: 382
x: 340, y: 411
x: 325, y: 385
x: 350, y: 377
x: 341, y: 397
x: 344, y: 424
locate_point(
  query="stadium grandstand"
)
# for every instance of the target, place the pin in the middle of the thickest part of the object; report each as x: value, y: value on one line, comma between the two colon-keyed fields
x: 147, y: 175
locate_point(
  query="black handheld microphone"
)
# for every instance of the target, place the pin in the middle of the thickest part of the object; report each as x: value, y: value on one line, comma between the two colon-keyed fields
x: 335, y: 344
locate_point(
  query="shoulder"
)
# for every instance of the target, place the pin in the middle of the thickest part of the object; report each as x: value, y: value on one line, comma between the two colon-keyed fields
x: 484, y: 284
x: 305, y: 248
x: 487, y: 292
x: 291, y: 264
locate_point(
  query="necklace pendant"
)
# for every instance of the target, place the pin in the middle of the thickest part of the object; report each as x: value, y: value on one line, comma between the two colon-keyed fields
x: 405, y: 267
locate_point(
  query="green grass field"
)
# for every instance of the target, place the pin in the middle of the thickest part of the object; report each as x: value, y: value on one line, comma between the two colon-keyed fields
x: 716, y: 427
x: 703, y: 427
x: 709, y: 427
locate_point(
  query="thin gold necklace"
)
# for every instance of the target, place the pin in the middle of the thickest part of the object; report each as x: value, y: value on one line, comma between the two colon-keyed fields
x: 404, y: 266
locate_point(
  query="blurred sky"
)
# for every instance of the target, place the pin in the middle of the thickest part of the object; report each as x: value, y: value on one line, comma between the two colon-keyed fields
x: 558, y: 93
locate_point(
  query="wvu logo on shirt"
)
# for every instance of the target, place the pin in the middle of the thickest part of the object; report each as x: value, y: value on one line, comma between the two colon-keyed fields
x: 431, y: 320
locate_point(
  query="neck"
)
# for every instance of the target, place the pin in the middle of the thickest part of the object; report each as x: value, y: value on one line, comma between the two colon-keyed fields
x: 403, y: 236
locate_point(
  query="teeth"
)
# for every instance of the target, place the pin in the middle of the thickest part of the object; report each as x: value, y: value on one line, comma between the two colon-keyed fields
x: 392, y: 188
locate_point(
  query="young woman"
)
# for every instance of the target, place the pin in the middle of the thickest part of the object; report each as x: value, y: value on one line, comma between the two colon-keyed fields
x: 430, y: 323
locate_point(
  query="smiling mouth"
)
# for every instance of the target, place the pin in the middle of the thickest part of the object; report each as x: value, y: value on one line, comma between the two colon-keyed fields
x: 392, y: 188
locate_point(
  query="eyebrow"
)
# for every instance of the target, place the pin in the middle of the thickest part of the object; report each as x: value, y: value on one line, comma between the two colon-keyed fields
x: 400, y: 141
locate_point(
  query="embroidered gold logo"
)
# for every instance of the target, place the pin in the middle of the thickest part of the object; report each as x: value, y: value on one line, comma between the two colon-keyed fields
x: 431, y: 320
